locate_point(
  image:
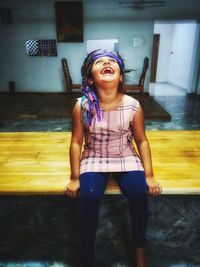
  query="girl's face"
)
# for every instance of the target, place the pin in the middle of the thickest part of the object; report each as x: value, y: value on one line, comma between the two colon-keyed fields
x: 105, y: 69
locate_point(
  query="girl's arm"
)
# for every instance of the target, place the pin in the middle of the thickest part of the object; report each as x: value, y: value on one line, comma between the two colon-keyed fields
x: 75, y: 151
x: 145, y: 152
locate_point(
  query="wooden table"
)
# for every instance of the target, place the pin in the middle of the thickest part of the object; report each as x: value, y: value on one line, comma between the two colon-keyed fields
x: 38, y: 162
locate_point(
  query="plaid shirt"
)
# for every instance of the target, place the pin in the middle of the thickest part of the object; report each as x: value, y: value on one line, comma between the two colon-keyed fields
x: 109, y: 143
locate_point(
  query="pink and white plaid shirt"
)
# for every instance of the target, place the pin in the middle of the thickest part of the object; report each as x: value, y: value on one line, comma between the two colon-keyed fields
x: 108, y: 144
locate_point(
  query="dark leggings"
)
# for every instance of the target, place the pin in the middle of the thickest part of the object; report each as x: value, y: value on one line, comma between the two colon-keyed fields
x: 92, y: 186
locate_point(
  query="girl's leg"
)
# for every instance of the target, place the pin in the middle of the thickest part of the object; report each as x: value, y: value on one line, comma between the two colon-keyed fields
x: 92, y: 187
x: 133, y: 186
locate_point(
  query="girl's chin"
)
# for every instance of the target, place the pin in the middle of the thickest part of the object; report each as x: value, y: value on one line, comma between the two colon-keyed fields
x: 109, y: 78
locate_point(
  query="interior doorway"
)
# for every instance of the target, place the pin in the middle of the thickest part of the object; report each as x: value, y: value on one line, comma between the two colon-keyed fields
x: 174, y: 48
x: 154, y: 61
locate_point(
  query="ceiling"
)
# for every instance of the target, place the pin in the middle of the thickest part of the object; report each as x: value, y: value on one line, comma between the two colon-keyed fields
x: 172, y: 9
x: 123, y: 9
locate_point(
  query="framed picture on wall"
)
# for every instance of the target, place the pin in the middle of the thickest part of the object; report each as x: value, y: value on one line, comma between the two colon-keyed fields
x: 69, y: 21
x: 41, y: 48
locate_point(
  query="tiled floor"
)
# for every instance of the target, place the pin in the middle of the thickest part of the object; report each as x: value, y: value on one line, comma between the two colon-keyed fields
x: 184, y: 108
x: 166, y: 89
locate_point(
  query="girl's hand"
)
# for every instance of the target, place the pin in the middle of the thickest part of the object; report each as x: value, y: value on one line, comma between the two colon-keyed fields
x: 72, y: 189
x: 154, y: 187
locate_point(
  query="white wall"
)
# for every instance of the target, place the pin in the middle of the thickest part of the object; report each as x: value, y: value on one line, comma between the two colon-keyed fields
x: 194, y: 81
x: 36, y: 20
x: 166, y: 32
x: 181, y: 57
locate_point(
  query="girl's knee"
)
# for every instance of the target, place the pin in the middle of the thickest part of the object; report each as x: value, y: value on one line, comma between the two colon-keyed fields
x: 92, y: 186
x: 134, y: 185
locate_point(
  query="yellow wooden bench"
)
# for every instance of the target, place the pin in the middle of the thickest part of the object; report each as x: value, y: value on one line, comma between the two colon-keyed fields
x: 38, y: 162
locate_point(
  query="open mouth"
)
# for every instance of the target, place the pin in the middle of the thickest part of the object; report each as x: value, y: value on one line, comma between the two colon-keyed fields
x: 107, y: 70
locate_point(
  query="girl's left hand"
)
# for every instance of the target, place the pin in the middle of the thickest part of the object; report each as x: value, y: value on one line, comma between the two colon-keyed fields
x: 155, y: 188
x: 72, y: 189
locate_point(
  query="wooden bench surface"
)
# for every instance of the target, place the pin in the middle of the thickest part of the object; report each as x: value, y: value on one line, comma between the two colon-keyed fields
x: 38, y: 162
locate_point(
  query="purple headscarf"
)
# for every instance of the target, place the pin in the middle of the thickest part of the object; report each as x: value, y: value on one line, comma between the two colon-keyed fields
x: 89, y: 98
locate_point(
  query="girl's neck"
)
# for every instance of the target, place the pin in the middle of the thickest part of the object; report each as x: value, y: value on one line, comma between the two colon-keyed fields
x: 107, y: 95
x: 110, y: 101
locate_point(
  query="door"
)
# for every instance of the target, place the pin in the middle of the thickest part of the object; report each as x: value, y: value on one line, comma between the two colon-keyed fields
x: 154, y: 61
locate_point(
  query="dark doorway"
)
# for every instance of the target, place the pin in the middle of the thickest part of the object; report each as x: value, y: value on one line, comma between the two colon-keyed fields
x: 154, y: 62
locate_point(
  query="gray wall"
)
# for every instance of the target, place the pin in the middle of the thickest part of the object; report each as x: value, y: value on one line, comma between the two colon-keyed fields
x: 35, y: 19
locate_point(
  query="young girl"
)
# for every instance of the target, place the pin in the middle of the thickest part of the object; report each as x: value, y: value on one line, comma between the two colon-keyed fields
x: 109, y: 121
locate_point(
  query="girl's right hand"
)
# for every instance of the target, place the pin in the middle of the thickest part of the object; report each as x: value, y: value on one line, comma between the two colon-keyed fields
x: 72, y: 189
